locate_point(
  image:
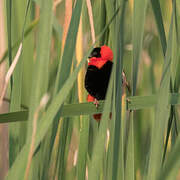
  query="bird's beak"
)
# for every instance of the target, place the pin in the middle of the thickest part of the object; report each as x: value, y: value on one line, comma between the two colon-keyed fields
x: 89, y: 56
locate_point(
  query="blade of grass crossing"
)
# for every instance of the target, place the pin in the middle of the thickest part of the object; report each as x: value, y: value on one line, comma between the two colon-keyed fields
x: 14, y: 116
x: 136, y: 103
x: 161, y: 114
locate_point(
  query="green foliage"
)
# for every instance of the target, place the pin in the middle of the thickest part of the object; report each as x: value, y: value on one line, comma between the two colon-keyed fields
x: 141, y: 139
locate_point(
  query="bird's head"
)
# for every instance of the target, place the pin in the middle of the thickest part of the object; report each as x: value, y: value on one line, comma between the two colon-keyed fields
x: 102, y: 53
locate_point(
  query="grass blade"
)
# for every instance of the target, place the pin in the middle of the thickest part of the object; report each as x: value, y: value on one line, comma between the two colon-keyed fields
x: 138, y: 31
x: 161, y: 116
x: 69, y: 48
x: 9, y: 10
x: 15, y: 45
x: 69, y: 110
x: 159, y: 21
x: 118, y: 151
x: 83, y: 148
x: 172, y: 163
x: 40, y: 75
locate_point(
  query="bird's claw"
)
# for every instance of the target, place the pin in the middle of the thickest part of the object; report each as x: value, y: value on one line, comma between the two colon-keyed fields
x: 96, y: 102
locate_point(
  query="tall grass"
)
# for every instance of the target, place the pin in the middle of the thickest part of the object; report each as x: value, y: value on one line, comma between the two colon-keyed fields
x: 52, y: 134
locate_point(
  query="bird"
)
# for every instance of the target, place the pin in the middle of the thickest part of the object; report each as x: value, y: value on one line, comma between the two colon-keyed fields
x: 98, y: 74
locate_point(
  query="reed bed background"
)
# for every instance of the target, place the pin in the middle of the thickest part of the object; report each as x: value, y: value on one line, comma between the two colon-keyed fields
x: 48, y: 131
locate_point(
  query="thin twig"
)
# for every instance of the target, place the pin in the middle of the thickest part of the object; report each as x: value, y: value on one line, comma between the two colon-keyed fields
x: 10, y: 72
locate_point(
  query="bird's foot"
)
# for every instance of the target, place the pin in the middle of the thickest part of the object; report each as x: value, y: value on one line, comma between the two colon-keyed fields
x: 96, y: 102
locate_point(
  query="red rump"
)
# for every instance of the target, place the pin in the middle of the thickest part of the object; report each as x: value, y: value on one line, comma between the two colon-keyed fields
x: 90, y: 98
x: 97, y: 117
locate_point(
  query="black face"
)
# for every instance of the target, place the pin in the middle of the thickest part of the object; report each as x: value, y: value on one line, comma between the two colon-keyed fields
x: 95, y: 52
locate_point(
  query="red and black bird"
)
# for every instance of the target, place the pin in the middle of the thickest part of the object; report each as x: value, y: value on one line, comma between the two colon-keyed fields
x: 98, y: 75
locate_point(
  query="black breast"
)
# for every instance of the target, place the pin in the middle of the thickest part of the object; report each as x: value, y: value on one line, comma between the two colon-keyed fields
x: 96, y: 80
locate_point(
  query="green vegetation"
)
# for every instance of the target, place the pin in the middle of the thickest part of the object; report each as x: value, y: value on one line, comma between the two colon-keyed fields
x: 52, y: 134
